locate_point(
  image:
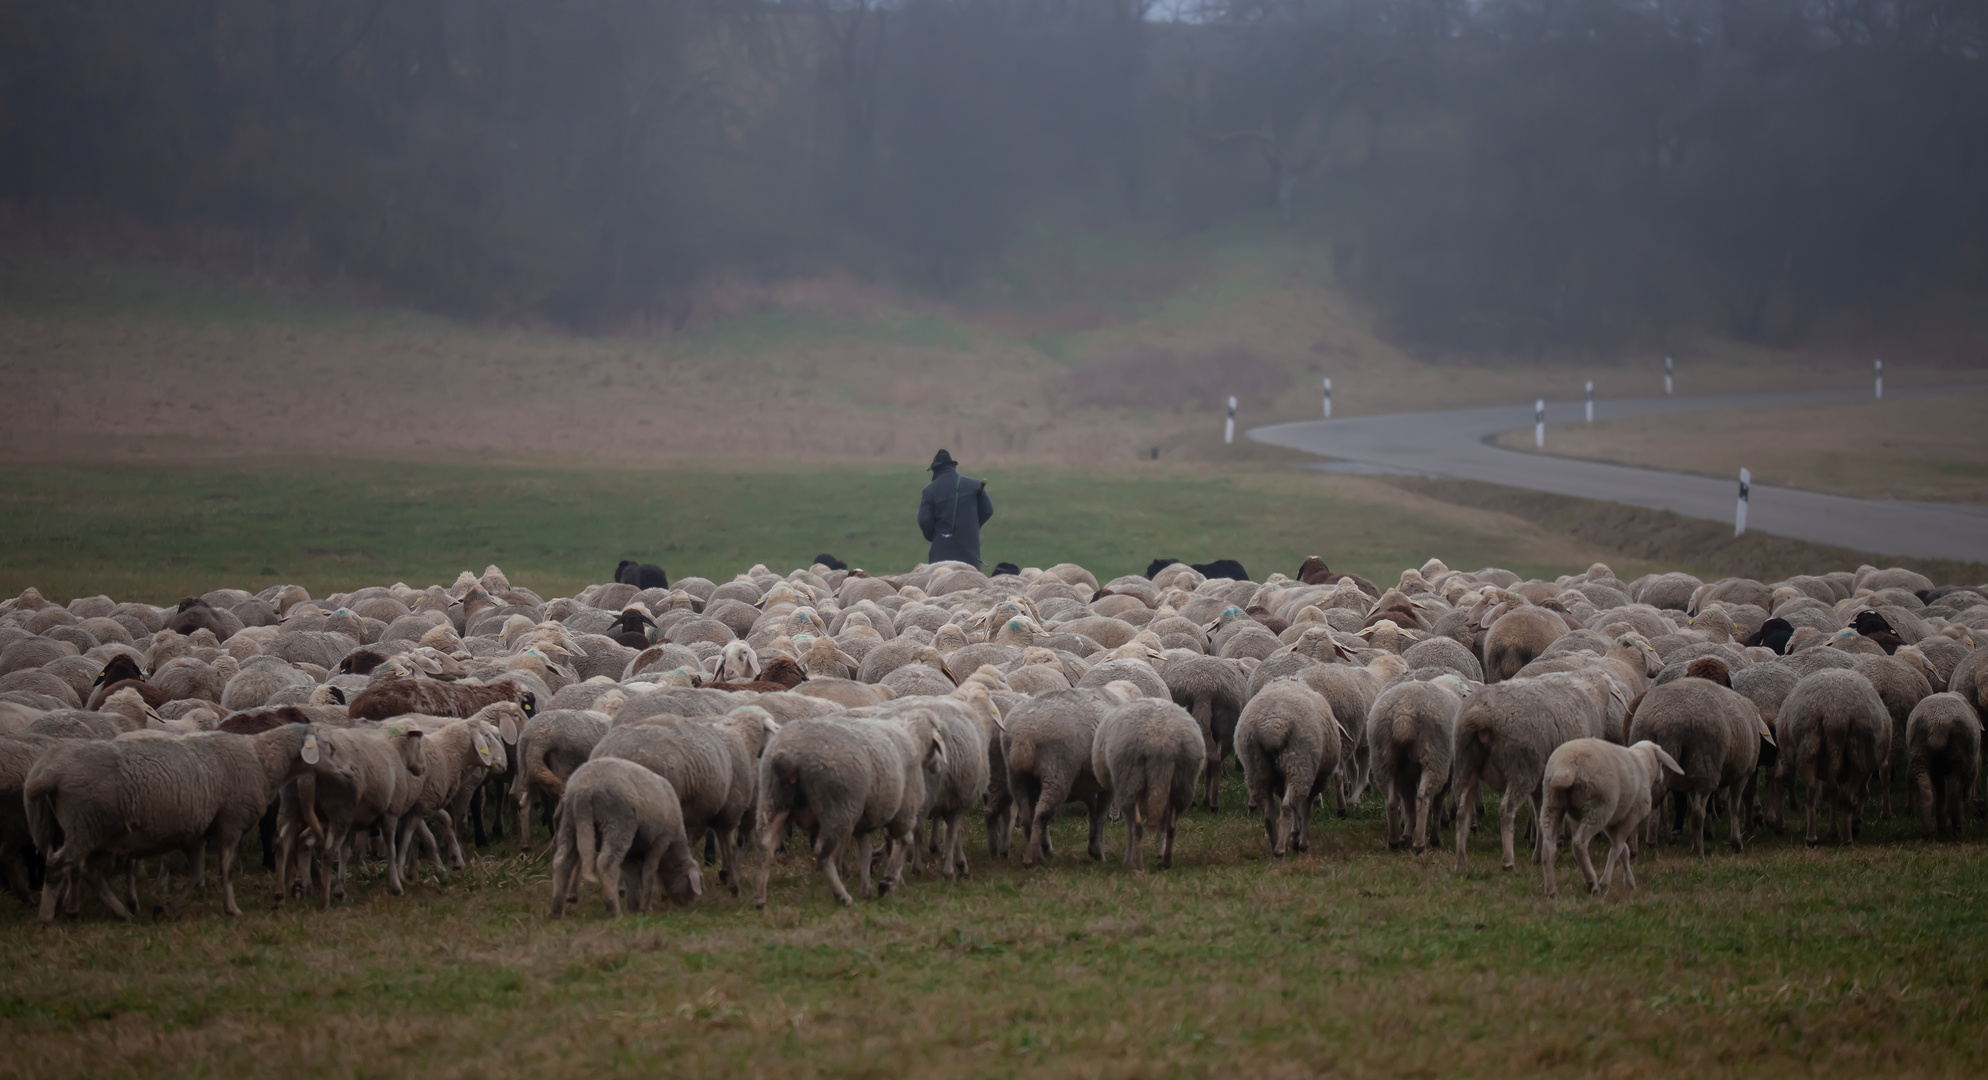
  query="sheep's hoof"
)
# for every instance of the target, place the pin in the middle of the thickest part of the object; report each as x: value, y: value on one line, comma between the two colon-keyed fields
x: 1812, y: 842
x: 1397, y: 845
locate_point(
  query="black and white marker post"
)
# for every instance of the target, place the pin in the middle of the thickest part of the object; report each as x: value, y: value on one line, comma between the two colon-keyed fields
x: 1739, y: 514
x: 1591, y: 401
x: 1880, y: 373
x: 1328, y: 397
x: 1666, y: 376
x: 1229, y: 430
x: 1539, y: 423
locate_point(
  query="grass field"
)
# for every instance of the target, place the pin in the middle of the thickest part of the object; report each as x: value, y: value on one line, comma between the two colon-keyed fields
x: 159, y: 532
x: 1931, y: 449
x: 1349, y: 961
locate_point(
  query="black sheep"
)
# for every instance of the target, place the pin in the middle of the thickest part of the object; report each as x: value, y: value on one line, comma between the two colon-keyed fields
x: 830, y: 561
x: 1007, y: 568
x: 195, y: 613
x: 627, y: 629
x: 1873, y: 625
x: 1220, y: 568
x: 1773, y: 636
x: 641, y: 575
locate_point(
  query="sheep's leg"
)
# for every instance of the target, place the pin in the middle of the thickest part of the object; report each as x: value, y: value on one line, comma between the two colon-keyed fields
x: 1736, y: 811
x: 196, y: 876
x: 1628, y: 864
x: 1508, y: 824
x: 728, y: 858
x: 1171, y: 817
x: 1583, y: 839
x: 565, y: 873
x: 388, y: 828
x: 227, y: 876
x: 1134, y: 837
x: 1427, y: 793
x: 1211, y: 774
x: 865, y: 854
x: 825, y: 853
x: 1549, y: 836
x: 1466, y: 800
x: 105, y: 893
x: 770, y: 834
x: 524, y: 811
x: 954, y: 851
x: 1814, y: 804
x: 893, y: 873
x: 1394, y: 815
x: 1698, y: 799
x: 1097, y: 806
x: 1039, y: 809
x: 999, y: 829
x: 1273, y: 829
x: 58, y: 879
x: 616, y: 838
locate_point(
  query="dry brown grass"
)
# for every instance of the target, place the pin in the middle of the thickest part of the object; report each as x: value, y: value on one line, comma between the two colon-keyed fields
x: 1932, y: 449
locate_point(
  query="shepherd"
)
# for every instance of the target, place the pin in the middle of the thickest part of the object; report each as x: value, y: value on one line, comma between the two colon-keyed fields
x: 952, y: 510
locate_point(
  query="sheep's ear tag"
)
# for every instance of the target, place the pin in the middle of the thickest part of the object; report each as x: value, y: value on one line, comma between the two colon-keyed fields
x: 482, y: 748
x: 310, y: 750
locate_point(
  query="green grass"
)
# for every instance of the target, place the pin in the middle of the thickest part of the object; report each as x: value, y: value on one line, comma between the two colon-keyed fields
x: 160, y: 531
x: 1860, y: 961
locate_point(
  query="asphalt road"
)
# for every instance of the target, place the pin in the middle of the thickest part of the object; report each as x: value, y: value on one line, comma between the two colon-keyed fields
x: 1456, y: 444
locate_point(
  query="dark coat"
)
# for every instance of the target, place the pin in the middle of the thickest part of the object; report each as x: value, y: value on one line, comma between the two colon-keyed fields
x: 950, y: 514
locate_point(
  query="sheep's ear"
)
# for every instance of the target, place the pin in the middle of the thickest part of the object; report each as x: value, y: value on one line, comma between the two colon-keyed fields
x: 507, y: 728
x: 768, y: 724
x: 482, y: 747
x: 310, y: 751
x: 1766, y: 735
x: 338, y: 695
x: 1669, y: 761
x: 846, y: 659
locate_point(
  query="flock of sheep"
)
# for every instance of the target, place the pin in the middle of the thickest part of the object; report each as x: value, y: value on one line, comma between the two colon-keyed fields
x: 674, y: 727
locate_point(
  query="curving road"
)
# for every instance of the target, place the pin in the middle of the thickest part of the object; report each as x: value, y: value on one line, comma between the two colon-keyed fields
x: 1456, y: 444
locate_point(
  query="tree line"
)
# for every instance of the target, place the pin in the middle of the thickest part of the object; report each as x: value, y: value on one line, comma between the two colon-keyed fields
x: 1504, y: 174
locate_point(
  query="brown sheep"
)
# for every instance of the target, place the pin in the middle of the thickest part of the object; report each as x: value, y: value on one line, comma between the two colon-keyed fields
x: 432, y: 698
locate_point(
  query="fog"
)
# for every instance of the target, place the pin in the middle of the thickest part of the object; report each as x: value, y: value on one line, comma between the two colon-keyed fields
x: 1494, y: 175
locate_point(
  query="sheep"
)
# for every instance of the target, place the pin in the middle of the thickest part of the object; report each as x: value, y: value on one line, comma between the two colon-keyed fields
x: 960, y: 785
x: 1288, y: 744
x: 552, y: 744
x: 456, y: 757
x: 697, y: 761
x: 428, y: 697
x: 1411, y: 730
x: 1714, y: 734
x: 1943, y: 750
x: 616, y: 811
x: 149, y: 797
x: 842, y: 779
x: 1047, y: 745
x: 18, y: 754
x: 1213, y: 691
x: 1352, y: 691
x: 1832, y: 731
x: 1603, y: 788
x: 383, y: 782
x: 1147, y: 754
x: 641, y: 575
x: 1506, y: 731
x: 1516, y: 638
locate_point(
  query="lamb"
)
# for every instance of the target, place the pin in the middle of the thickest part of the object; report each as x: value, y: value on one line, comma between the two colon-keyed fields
x: 550, y: 747
x: 429, y: 697
x: 1506, y: 731
x: 1714, y: 734
x: 1833, y: 731
x: 960, y: 786
x: 456, y: 757
x: 1213, y: 691
x: 1288, y: 744
x: 1412, y: 730
x: 844, y: 778
x: 1147, y: 755
x: 697, y: 761
x: 383, y: 781
x: 152, y: 796
x: 616, y: 811
x: 1603, y: 788
x: 1047, y: 744
x: 1943, y: 751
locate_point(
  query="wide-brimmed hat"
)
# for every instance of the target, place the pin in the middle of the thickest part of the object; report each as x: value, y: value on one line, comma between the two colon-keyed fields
x: 942, y: 460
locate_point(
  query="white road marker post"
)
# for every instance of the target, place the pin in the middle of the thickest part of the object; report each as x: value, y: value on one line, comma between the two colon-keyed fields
x: 1739, y: 514
x: 1539, y: 423
x: 1328, y: 397
x: 1666, y: 376
x: 1229, y: 430
x: 1880, y: 370
x: 1591, y: 401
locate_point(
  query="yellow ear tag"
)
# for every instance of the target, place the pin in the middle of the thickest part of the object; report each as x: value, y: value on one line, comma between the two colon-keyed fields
x: 310, y: 749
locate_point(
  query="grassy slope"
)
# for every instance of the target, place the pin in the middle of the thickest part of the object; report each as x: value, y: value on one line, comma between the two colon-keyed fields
x: 160, y: 531
x: 1903, y: 448
x: 1865, y: 960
